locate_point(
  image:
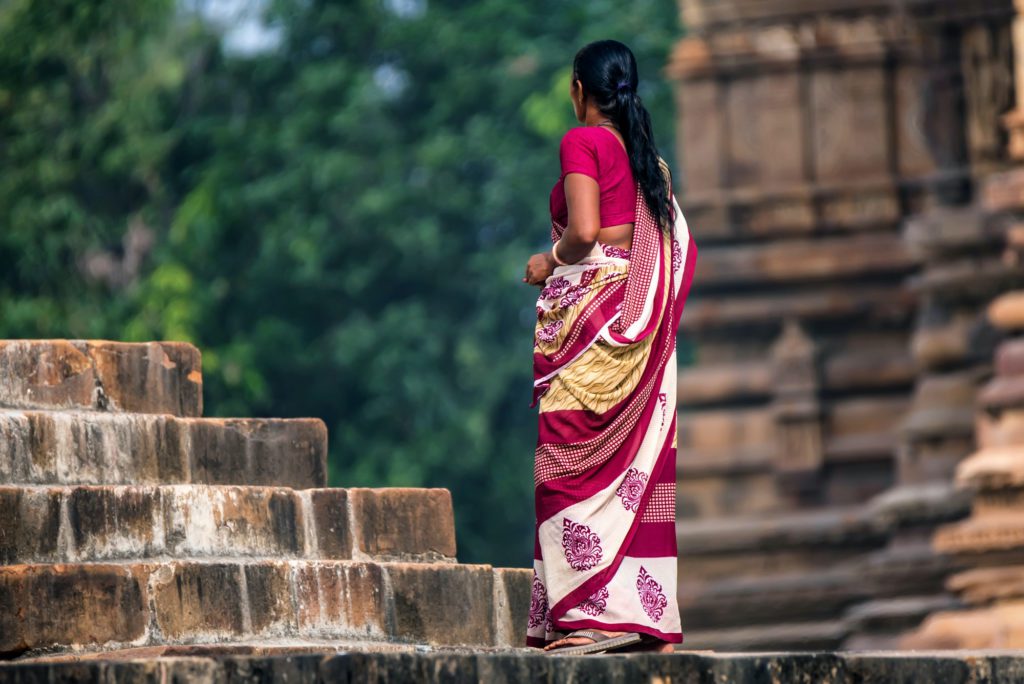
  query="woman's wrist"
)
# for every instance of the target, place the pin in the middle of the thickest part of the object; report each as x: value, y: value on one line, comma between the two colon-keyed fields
x: 554, y: 254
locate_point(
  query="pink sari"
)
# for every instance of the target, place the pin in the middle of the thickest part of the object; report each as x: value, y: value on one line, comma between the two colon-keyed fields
x: 605, y: 465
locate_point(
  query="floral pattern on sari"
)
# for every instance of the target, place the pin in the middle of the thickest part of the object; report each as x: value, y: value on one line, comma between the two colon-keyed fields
x: 652, y: 596
x: 616, y: 252
x: 539, y: 614
x: 582, y: 547
x: 595, y: 604
x: 550, y: 331
x: 631, y: 489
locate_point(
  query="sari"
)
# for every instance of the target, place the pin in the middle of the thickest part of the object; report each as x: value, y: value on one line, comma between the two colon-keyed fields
x: 605, y: 552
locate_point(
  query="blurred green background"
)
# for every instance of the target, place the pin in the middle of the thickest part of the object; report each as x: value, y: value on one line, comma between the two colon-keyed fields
x: 333, y: 200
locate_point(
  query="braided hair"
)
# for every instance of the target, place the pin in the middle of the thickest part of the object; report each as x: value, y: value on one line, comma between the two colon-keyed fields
x: 607, y: 71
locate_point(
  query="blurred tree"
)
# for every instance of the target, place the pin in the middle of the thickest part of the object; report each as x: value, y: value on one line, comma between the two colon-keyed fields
x: 85, y: 90
x: 339, y: 221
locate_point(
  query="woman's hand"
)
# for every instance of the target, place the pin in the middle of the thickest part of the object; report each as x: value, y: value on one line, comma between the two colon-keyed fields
x: 538, y: 268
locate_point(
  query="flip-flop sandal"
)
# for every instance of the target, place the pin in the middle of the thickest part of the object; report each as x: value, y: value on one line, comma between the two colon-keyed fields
x: 602, y: 642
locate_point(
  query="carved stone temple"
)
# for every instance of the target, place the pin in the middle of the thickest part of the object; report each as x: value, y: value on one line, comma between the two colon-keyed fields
x: 845, y: 166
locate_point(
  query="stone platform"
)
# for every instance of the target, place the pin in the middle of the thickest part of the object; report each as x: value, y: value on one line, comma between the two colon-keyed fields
x: 131, y: 524
x: 423, y: 664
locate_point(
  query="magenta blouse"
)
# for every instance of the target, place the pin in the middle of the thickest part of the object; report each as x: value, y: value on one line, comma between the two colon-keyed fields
x: 595, y: 151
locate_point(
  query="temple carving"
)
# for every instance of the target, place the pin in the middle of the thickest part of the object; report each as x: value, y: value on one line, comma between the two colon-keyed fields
x: 850, y: 170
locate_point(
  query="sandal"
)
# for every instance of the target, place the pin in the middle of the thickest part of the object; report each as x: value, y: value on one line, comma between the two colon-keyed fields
x: 602, y: 642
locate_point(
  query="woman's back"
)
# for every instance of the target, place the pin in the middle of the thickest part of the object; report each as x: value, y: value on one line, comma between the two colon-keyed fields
x: 597, y: 151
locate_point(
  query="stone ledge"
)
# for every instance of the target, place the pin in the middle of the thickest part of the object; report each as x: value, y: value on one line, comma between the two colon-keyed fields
x: 459, y: 666
x: 1001, y: 624
x: 82, y: 447
x: 819, y: 302
x: 758, y: 601
x: 108, y: 523
x: 101, y: 375
x: 799, y: 260
x: 94, y: 607
x: 836, y: 527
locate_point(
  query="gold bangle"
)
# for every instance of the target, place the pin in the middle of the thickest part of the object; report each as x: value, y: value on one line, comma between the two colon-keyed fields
x: 554, y: 254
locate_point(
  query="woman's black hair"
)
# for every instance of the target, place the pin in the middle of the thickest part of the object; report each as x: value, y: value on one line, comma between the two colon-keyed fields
x: 607, y: 71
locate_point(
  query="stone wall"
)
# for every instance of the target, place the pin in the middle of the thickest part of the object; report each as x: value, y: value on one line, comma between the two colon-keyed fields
x: 830, y: 153
x: 129, y: 522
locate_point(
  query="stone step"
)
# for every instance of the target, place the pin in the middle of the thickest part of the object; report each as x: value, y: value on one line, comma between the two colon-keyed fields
x: 882, y: 365
x: 775, y: 544
x: 83, y: 447
x: 1000, y: 625
x: 824, y: 635
x: 907, y: 566
x: 100, y: 375
x: 769, y: 599
x: 916, y: 504
x: 137, y: 522
x: 800, y: 259
x: 823, y: 302
x: 462, y: 666
x: 99, y: 606
x: 813, y: 529
x: 893, y: 615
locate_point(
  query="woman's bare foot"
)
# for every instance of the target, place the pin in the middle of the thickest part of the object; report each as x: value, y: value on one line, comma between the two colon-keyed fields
x: 578, y: 640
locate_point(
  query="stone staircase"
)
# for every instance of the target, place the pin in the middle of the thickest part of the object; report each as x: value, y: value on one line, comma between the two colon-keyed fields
x: 129, y: 523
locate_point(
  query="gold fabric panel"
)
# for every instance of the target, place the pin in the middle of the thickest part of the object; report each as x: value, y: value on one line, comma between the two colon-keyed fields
x: 600, y: 378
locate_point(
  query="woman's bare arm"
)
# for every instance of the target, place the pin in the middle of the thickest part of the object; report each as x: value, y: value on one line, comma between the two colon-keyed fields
x: 583, y: 199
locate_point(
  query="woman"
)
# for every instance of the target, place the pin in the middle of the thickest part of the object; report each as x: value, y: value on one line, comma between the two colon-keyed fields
x: 614, y: 283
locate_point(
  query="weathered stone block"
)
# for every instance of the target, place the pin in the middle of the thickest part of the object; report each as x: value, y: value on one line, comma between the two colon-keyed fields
x: 197, y: 600
x: 110, y: 522
x: 57, y: 447
x: 776, y: 99
x: 843, y: 101
x: 282, y: 452
x: 327, y: 522
x: 340, y: 599
x: 403, y: 523
x: 512, y: 591
x: 701, y: 135
x: 268, y: 591
x: 105, y: 523
x: 66, y: 604
x: 229, y: 521
x: 424, y: 613
x: 150, y: 377
x: 29, y: 524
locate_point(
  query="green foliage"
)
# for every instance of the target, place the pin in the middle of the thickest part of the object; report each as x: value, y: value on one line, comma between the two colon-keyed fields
x: 340, y: 224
